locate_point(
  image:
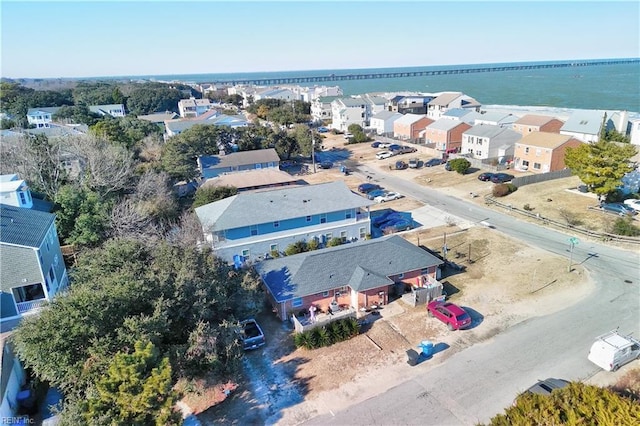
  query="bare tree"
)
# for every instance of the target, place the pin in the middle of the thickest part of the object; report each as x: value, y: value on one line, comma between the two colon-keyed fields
x: 108, y: 167
x: 187, y: 232
x: 38, y: 160
x: 127, y: 221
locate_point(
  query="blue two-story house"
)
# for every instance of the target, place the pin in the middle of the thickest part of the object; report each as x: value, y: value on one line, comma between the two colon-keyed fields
x: 216, y: 165
x: 32, y: 269
x: 251, y: 225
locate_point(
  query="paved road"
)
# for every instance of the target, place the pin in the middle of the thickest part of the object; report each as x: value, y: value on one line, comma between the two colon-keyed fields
x: 475, y: 384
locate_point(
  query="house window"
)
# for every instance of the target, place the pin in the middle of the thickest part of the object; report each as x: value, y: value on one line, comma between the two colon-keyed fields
x: 525, y: 163
x: 347, y: 214
x: 28, y: 293
x: 328, y: 236
x: 23, y: 199
x: 276, y: 224
x: 479, y: 153
x: 258, y: 166
x: 344, y: 289
x: 362, y: 232
x: 424, y: 271
x: 479, y: 141
x: 52, y: 275
x: 246, y: 253
x: 325, y: 294
x: 254, y: 229
x: 273, y: 247
x: 308, y: 218
x: 537, y: 166
x: 526, y: 150
x: 323, y: 218
x: 297, y: 302
x: 401, y: 276
x: 343, y: 236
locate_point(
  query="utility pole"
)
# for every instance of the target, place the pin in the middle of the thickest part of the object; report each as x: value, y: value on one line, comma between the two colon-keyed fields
x: 313, y: 152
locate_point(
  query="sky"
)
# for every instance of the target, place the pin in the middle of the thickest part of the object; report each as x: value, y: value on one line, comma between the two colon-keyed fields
x: 54, y: 39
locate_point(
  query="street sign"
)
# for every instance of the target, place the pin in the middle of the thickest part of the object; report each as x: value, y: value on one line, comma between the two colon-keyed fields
x: 574, y: 241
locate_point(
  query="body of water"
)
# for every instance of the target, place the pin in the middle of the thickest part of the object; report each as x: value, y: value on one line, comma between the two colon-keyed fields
x: 604, y: 87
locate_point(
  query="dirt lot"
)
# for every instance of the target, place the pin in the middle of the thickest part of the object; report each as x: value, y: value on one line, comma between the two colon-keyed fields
x: 302, y: 383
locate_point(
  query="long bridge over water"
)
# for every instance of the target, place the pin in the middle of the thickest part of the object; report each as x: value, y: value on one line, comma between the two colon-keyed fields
x: 418, y: 73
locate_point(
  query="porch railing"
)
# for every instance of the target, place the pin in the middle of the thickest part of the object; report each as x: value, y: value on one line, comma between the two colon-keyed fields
x: 303, y: 324
x: 32, y: 305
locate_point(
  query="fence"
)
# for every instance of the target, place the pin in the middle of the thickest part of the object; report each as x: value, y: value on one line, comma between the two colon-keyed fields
x: 305, y: 323
x: 541, y: 177
x: 604, y: 236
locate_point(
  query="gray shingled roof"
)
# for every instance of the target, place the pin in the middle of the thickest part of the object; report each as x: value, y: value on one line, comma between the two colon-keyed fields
x: 242, y: 158
x: 253, y: 208
x: 445, y: 98
x: 361, y: 266
x: 486, y: 130
x: 18, y: 266
x: 384, y: 115
x: 23, y: 227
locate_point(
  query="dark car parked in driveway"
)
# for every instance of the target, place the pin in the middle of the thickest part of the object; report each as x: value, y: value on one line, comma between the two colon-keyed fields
x: 434, y: 162
x: 365, y: 188
x: 618, y: 208
x: 501, y: 178
x: 251, y: 335
x: 326, y: 165
x: 375, y: 144
x: 485, y: 177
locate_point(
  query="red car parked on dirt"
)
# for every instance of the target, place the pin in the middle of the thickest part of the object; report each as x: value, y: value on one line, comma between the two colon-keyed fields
x: 451, y: 314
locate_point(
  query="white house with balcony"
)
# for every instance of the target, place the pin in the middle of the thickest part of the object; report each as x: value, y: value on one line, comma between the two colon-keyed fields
x: 32, y: 269
x: 321, y: 108
x: 485, y: 141
x: 41, y: 117
x: 192, y: 107
x: 449, y: 100
x: 282, y: 94
x: 15, y: 192
x: 250, y: 226
x: 356, y: 110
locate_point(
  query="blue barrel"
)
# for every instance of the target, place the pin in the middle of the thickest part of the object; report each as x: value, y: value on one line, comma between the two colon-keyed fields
x: 427, y: 348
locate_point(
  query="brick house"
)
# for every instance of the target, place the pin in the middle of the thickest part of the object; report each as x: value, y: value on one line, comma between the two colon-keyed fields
x: 445, y: 134
x: 356, y: 275
x: 542, y: 152
x: 537, y: 123
x: 409, y: 126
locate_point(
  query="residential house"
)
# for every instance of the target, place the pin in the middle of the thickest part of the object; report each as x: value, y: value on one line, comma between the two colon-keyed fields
x: 486, y: 141
x: 410, y: 104
x: 496, y: 118
x: 214, y: 89
x: 114, y: 110
x: 15, y: 192
x: 251, y: 180
x: 348, y: 111
x: 584, y: 125
x: 537, y: 123
x: 276, y: 93
x: 175, y: 127
x: 445, y: 134
x: 216, y: 165
x: 542, y: 152
x: 14, y: 378
x: 448, y: 100
x: 247, y: 227
x: 357, y: 275
x: 359, y: 110
x: 32, y: 269
x: 321, y: 108
x: 159, y: 117
x: 409, y: 126
x: 41, y: 117
x: 310, y: 94
x: 193, y: 107
x: 462, y: 114
x: 383, y: 121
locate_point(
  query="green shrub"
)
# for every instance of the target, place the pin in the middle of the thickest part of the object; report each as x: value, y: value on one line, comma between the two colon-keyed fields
x: 625, y: 226
x: 321, y: 336
x: 295, y: 248
x: 335, y: 241
x: 500, y: 190
x: 334, y: 332
x: 460, y: 165
x: 312, y: 245
x: 527, y: 207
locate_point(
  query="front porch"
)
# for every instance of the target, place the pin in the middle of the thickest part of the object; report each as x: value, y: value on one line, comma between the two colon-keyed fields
x: 305, y: 322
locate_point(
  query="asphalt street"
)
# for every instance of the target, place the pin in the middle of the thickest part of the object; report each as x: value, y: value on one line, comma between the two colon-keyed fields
x: 477, y: 383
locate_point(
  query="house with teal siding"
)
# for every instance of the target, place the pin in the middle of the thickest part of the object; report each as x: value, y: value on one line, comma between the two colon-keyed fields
x: 32, y: 269
x: 249, y: 226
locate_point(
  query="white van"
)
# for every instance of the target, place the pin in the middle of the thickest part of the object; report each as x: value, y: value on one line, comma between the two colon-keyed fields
x: 612, y: 350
